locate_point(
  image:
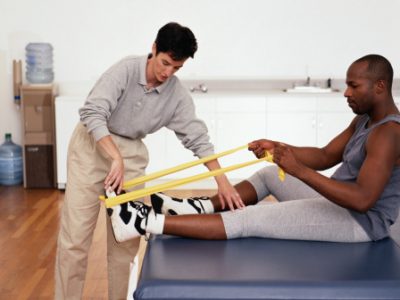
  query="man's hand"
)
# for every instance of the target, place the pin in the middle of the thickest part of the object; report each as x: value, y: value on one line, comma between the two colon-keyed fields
x: 285, y: 159
x: 227, y: 194
x: 260, y: 146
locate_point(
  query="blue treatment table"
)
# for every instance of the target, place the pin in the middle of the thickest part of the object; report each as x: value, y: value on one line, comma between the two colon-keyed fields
x: 251, y: 268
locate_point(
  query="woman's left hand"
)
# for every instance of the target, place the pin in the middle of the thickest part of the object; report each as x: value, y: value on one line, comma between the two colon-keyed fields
x: 227, y: 194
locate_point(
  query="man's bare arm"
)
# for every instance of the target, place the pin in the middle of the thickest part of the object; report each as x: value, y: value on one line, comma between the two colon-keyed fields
x: 313, y: 157
x: 383, y: 152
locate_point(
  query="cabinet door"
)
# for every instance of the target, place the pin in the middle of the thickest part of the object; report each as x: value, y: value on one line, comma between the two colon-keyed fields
x: 292, y: 119
x: 155, y: 144
x: 334, y: 116
x: 240, y: 120
x: 39, y: 166
x: 38, y: 118
x: 330, y: 124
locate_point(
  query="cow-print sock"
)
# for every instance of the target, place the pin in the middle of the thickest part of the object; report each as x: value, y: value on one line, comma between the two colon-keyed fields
x: 155, y: 223
x: 166, y: 205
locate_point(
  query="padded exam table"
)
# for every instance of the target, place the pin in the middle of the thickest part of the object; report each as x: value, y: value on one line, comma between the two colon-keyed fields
x: 252, y: 268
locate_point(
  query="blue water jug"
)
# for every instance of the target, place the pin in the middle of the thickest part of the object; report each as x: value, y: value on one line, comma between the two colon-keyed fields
x: 10, y: 162
x: 39, y: 63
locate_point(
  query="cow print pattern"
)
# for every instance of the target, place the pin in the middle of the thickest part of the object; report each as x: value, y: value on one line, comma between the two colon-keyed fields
x: 128, y: 219
x: 193, y: 205
x: 196, y: 204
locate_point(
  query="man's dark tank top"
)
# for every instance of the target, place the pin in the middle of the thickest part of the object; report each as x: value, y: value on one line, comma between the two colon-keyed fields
x: 377, y: 220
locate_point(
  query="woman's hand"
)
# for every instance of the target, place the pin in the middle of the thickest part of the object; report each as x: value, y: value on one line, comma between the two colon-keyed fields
x: 115, y: 178
x: 227, y: 194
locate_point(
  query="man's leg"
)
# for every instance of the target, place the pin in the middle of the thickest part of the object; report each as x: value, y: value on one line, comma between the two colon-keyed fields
x: 208, y: 227
x: 266, y: 182
x: 308, y: 219
x: 263, y: 183
x: 183, y: 222
x: 120, y: 255
x: 315, y: 219
x: 167, y: 205
x: 288, y: 219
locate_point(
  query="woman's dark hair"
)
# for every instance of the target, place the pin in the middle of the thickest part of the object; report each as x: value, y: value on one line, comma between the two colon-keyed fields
x: 176, y: 40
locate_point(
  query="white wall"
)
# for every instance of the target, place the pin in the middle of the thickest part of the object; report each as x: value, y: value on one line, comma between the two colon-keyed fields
x: 237, y: 38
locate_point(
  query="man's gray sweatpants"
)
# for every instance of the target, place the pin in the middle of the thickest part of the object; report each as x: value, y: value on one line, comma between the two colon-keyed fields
x: 300, y: 213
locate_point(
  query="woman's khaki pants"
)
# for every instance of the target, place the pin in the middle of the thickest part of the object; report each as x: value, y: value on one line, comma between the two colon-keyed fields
x: 88, y: 166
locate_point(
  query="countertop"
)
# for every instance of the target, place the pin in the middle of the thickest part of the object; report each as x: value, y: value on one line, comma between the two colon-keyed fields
x: 231, y: 86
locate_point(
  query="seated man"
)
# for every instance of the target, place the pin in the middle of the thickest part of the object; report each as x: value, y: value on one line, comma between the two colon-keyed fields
x: 358, y: 203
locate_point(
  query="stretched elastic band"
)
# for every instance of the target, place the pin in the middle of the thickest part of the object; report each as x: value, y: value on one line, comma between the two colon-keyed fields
x: 134, y: 195
x: 155, y: 175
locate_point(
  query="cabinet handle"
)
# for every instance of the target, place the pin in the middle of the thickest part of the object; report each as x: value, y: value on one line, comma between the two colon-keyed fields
x: 313, y: 123
x: 33, y: 149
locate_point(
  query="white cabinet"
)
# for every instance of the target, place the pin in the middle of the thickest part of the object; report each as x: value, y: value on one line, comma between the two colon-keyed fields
x: 333, y: 116
x: 232, y: 120
x: 292, y: 119
x: 307, y: 120
x: 66, y: 117
x: 239, y: 120
x: 155, y: 144
x: 176, y: 153
x: 167, y: 151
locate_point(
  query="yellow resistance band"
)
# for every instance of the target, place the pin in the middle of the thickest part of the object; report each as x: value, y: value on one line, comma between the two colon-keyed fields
x: 134, y: 195
x: 181, y: 167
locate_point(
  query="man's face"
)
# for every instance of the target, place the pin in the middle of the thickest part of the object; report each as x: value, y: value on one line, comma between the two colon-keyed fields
x: 164, y: 66
x: 360, y: 91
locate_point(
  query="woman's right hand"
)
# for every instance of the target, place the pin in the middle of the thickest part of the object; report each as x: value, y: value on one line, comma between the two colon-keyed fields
x: 115, y: 178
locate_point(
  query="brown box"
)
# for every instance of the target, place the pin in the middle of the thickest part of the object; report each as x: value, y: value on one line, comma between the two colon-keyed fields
x: 39, y: 153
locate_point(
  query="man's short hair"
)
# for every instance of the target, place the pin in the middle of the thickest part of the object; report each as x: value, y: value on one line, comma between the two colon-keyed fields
x: 379, y: 68
x: 176, y: 40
